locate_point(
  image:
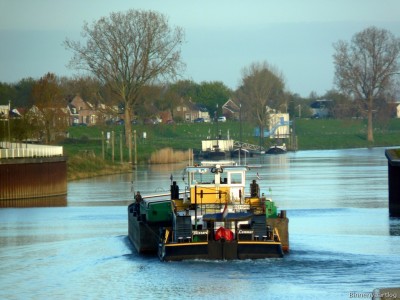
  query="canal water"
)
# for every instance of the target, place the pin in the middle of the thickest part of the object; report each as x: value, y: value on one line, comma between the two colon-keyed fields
x: 343, y: 243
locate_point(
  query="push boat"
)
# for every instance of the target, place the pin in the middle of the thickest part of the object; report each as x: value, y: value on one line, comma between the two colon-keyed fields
x: 211, y: 219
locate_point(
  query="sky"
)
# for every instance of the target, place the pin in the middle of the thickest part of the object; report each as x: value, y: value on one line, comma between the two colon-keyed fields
x: 222, y: 37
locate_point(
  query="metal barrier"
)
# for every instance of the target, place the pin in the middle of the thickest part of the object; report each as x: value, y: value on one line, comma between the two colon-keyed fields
x: 20, y: 150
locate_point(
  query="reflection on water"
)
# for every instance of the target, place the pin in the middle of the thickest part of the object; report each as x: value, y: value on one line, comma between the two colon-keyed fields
x: 119, y: 189
x: 394, y: 225
x: 49, y: 201
x: 167, y: 167
x: 341, y: 237
x: 336, y: 178
x: 303, y: 179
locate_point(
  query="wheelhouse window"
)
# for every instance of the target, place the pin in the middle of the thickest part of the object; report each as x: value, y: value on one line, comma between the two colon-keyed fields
x: 203, y: 178
x: 236, y: 178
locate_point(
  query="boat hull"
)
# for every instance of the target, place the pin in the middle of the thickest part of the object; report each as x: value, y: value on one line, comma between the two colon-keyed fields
x: 214, y: 155
x: 276, y: 150
x: 143, y: 236
x: 220, y: 250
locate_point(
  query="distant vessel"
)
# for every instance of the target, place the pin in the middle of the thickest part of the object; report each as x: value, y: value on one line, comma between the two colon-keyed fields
x: 277, y: 149
x: 214, y: 219
x: 241, y: 153
x: 216, y: 149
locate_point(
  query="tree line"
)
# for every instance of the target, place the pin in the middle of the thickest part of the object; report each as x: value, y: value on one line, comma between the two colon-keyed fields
x: 133, y: 59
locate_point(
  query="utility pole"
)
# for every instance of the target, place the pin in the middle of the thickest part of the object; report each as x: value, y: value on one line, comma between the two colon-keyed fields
x: 299, y: 106
x: 112, y: 144
x: 120, y: 148
x: 134, y: 139
x: 102, y: 144
x: 216, y: 119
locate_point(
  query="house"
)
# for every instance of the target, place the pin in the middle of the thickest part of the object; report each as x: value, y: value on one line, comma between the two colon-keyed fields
x: 202, y: 112
x: 73, y: 115
x: 107, y: 113
x: 181, y: 111
x: 81, y: 112
x: 188, y: 111
x: 231, y: 110
x: 165, y: 116
x: 101, y: 114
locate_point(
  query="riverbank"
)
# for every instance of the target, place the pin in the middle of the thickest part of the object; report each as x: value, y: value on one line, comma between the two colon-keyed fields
x: 323, y: 134
x: 83, y: 166
x: 87, y: 164
x: 86, y: 146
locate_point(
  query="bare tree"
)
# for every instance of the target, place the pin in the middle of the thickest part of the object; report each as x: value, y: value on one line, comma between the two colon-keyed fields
x: 364, y: 68
x: 48, y: 98
x: 262, y: 88
x: 127, y: 51
x: 87, y: 87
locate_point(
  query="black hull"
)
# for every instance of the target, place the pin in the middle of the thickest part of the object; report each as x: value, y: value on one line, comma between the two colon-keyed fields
x: 143, y: 236
x: 275, y: 150
x: 146, y: 239
x: 220, y: 250
x: 242, y: 153
x: 213, y: 155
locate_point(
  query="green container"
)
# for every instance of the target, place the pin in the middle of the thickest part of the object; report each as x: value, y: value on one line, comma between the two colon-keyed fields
x: 270, y: 209
x: 159, y: 211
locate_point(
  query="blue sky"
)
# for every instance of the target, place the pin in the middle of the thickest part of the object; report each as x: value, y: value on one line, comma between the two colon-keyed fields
x: 222, y: 37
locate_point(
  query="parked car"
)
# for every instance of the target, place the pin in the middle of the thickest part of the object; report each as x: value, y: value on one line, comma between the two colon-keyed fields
x: 199, y: 120
x: 222, y: 119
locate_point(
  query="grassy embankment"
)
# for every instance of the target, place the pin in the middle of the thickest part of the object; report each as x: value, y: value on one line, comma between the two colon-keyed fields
x: 84, y: 147
x: 341, y: 134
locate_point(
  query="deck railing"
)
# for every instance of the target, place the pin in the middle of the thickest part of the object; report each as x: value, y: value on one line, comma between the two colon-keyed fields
x: 20, y: 150
x: 247, y: 146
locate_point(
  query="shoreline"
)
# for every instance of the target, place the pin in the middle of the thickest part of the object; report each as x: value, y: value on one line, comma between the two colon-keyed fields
x: 123, y: 168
